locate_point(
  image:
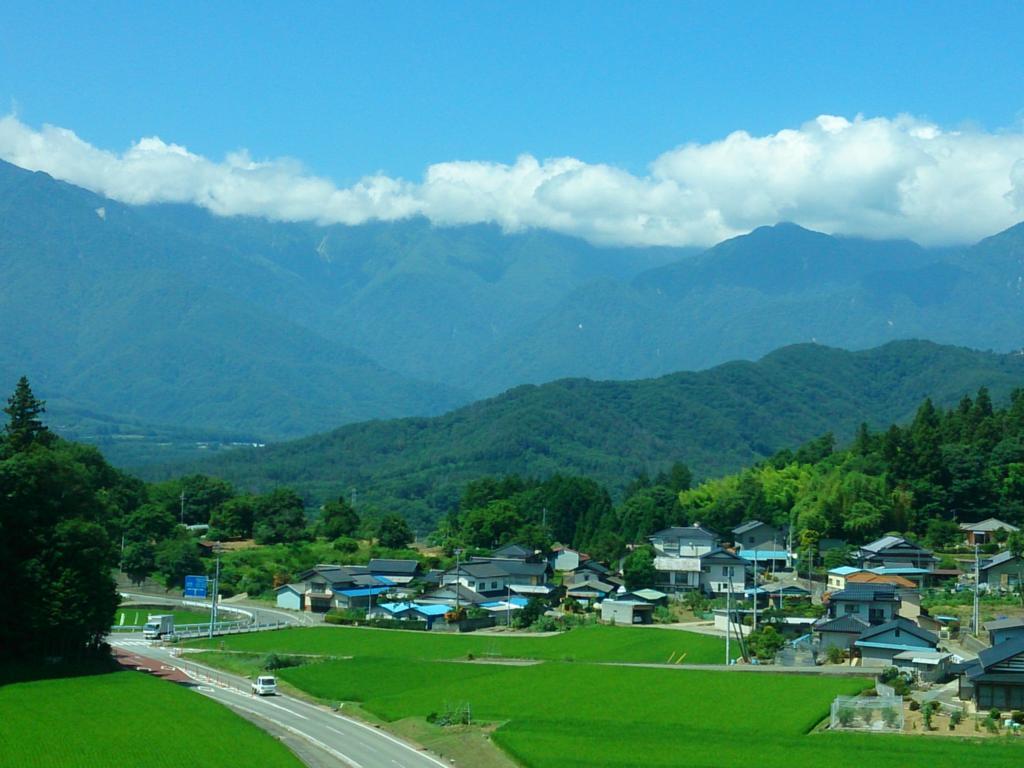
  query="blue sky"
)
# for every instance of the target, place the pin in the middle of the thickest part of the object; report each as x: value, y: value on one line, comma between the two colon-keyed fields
x: 350, y: 90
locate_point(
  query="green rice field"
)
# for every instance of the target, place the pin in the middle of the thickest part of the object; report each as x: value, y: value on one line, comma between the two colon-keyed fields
x: 577, y: 707
x: 591, y: 643
x: 564, y: 715
x: 125, y: 719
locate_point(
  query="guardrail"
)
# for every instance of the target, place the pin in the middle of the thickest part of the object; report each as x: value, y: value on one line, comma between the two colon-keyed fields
x: 185, y: 631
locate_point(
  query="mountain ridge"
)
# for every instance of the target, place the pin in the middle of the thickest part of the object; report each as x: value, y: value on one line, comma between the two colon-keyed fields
x: 716, y: 420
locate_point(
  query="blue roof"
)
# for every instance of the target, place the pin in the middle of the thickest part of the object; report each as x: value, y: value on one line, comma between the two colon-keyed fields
x: 899, y: 571
x: 763, y: 554
x: 395, y: 607
x: 844, y: 570
x: 363, y: 591
x: 431, y: 610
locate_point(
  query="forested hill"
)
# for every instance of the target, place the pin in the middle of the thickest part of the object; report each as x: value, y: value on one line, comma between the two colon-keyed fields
x: 715, y: 421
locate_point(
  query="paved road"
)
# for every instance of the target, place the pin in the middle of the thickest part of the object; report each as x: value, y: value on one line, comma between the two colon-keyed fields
x: 263, y: 613
x: 319, y: 736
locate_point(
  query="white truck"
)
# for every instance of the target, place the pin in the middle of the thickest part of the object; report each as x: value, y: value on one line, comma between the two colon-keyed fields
x: 158, y: 626
x: 264, y: 685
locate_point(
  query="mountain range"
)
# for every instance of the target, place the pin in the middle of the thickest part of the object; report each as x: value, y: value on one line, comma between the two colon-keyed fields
x: 146, y: 326
x: 716, y: 421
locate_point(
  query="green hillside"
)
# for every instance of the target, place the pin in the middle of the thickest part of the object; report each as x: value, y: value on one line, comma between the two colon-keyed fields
x: 715, y: 421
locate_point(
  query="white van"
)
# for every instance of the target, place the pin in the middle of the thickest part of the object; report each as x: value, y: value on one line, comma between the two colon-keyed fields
x: 265, y: 685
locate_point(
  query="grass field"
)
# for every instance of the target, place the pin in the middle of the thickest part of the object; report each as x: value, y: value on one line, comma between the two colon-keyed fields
x: 572, y: 711
x: 137, y: 615
x: 125, y: 719
x: 563, y: 715
x: 592, y: 643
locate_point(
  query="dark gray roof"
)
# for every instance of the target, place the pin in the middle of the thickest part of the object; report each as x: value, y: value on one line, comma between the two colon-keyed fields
x: 512, y: 567
x: 483, y: 570
x: 1002, y: 557
x: 904, y: 625
x: 1004, y: 624
x: 595, y: 566
x: 405, y: 567
x: 748, y: 527
x: 849, y: 624
x: 866, y: 593
x: 513, y: 550
x: 721, y: 556
x: 466, y: 595
x: 684, y: 532
x: 1001, y: 652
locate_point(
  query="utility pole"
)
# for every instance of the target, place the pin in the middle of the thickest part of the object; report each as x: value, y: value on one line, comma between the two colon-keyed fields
x: 728, y: 621
x: 977, y: 585
x: 755, y: 591
x: 216, y: 586
x: 182, y: 506
x: 508, y: 607
x: 458, y: 554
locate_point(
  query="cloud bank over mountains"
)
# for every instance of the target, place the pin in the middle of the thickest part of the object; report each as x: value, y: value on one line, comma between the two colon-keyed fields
x: 874, y: 177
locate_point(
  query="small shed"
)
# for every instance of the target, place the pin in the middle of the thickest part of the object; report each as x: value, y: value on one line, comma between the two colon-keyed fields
x: 930, y: 666
x: 627, y: 612
x: 290, y: 596
x: 1001, y: 630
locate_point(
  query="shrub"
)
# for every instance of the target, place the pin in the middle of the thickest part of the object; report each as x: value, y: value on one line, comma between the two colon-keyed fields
x: 914, y: 705
x: 955, y: 718
x: 926, y: 713
x: 1017, y: 716
x: 835, y: 655
x: 275, y: 661
x: 346, y: 545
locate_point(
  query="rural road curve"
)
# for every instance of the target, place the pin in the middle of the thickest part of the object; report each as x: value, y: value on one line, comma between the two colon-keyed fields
x: 288, y: 617
x: 326, y: 738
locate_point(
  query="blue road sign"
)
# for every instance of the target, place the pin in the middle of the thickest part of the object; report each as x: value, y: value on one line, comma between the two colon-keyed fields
x: 195, y: 586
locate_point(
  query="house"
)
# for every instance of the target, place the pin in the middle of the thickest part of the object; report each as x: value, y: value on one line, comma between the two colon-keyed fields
x: 429, y: 613
x: 870, y: 577
x: 840, y: 632
x: 1001, y: 571
x: 566, y: 559
x: 895, y: 552
x: 767, y: 559
x: 722, y: 572
x: 484, y: 578
x: 872, y: 603
x: 496, y: 576
x: 676, y: 574
x: 878, y: 645
x: 984, y: 532
x: 321, y: 588
x: 836, y: 578
x: 515, y: 552
x: 356, y: 598
x: 996, y: 678
x: 399, y: 572
x: 757, y: 535
x: 930, y: 666
x: 684, y: 541
x: 1002, y: 630
x: 452, y: 595
x: 590, y: 591
x: 627, y: 612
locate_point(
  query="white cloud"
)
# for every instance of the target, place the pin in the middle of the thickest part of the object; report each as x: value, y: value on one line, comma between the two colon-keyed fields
x: 878, y: 177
